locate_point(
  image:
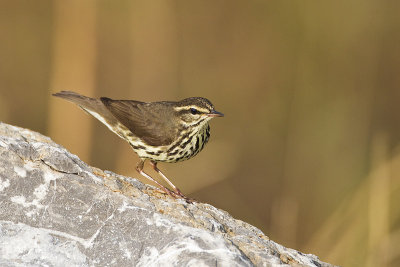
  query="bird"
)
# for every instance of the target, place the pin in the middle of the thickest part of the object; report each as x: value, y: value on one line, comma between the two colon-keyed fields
x: 164, y: 131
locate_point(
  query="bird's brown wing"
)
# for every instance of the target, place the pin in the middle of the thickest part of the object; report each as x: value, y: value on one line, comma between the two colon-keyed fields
x: 145, y: 120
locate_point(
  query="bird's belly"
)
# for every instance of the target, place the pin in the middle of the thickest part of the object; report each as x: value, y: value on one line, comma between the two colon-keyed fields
x: 176, y: 156
x: 145, y: 151
x: 180, y: 150
x: 187, y: 148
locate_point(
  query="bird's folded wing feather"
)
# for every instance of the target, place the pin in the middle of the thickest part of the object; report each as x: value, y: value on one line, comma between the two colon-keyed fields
x: 143, y: 120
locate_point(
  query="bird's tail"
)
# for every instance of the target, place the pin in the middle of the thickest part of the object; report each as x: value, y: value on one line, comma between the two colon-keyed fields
x: 92, y: 106
x: 81, y: 100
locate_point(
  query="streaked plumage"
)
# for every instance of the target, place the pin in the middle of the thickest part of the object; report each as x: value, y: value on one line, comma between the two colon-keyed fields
x: 165, y: 131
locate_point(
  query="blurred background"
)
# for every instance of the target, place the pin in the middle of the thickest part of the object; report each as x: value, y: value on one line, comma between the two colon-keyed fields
x: 308, y: 150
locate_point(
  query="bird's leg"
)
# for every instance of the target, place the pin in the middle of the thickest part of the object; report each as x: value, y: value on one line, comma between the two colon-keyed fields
x: 176, y: 189
x: 139, y: 169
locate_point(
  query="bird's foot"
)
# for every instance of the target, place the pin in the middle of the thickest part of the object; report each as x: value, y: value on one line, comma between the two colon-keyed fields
x: 179, y: 194
x: 176, y: 194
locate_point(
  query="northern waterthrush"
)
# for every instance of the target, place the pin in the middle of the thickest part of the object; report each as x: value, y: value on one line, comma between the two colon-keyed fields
x: 163, y: 131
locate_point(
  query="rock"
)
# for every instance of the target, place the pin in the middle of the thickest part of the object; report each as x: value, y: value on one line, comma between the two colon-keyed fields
x: 58, y: 211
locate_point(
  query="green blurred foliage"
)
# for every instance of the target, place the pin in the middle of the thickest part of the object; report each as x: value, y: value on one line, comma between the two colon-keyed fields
x: 307, y: 150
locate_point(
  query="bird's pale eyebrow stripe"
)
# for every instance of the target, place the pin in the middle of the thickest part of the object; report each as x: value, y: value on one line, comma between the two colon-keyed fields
x: 185, y: 109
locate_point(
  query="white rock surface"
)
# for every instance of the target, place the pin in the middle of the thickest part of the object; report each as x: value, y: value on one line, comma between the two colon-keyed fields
x: 57, y: 211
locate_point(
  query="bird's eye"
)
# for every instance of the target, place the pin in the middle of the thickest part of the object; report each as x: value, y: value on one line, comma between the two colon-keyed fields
x: 193, y: 111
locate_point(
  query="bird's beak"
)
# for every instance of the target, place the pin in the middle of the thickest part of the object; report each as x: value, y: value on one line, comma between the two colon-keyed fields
x: 215, y: 113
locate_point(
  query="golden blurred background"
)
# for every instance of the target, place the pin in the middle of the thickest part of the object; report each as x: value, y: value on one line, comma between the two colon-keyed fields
x: 308, y: 150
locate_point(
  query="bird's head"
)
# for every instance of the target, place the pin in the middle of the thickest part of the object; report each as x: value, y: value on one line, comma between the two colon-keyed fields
x: 196, y: 111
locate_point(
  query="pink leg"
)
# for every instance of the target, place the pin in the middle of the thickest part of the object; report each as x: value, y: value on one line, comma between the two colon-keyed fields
x: 139, y: 168
x: 177, y: 191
